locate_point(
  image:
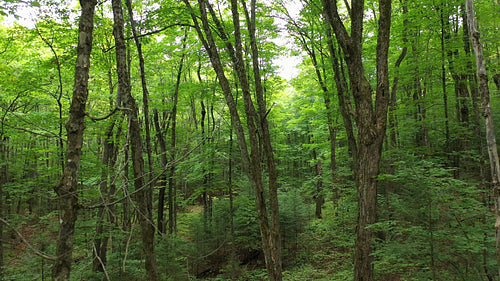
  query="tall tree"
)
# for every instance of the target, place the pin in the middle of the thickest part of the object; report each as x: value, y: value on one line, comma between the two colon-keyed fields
x: 143, y: 191
x: 67, y: 188
x: 370, y: 117
x: 488, y: 118
x: 255, y: 120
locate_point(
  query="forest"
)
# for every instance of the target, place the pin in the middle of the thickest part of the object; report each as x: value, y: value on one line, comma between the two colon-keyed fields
x: 163, y: 140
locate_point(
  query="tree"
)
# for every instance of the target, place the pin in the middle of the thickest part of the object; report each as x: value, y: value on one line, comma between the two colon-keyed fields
x: 257, y: 123
x: 143, y: 191
x: 370, y: 117
x: 67, y: 188
x: 488, y: 119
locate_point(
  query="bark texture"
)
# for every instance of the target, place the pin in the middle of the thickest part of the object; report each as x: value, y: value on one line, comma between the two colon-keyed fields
x: 256, y: 122
x: 67, y: 188
x: 488, y: 119
x: 370, y: 118
x: 143, y: 194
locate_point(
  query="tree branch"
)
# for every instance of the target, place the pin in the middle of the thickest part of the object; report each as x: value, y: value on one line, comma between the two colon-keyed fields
x: 36, y: 251
x: 93, y: 118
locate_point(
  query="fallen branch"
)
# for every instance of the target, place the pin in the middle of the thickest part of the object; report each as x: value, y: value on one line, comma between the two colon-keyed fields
x: 35, y: 250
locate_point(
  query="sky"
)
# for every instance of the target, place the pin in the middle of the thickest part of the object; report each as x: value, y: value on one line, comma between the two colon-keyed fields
x: 287, y: 64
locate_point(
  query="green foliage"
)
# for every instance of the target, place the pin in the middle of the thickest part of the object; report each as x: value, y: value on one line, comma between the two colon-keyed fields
x: 294, y: 216
x: 432, y: 226
x: 434, y: 216
x: 173, y: 258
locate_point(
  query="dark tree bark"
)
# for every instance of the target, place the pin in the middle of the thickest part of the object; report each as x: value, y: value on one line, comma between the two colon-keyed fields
x: 67, y: 188
x: 256, y: 124
x: 4, y: 174
x: 319, y: 197
x: 205, y: 194
x: 143, y: 195
x: 370, y: 117
x: 4, y: 178
x: 163, y: 178
x: 171, y: 173
x: 488, y: 119
x: 443, y: 76
x: 394, y: 143
x: 274, y: 267
x: 496, y: 79
x: 145, y: 96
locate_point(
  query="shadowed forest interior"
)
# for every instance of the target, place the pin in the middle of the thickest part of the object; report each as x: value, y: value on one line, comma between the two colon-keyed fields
x: 176, y: 140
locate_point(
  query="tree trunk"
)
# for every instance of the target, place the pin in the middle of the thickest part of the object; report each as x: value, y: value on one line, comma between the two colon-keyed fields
x: 332, y: 127
x: 101, y: 242
x: 145, y: 97
x: 143, y: 194
x: 67, y: 188
x: 394, y: 143
x: 171, y: 179
x: 4, y: 176
x: 488, y: 119
x: 319, y: 196
x: 370, y: 120
x: 496, y: 80
x: 251, y: 162
x: 163, y: 178
x: 275, y: 265
x: 443, y: 78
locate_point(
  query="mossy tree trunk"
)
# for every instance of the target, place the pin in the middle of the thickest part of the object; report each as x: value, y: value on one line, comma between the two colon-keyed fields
x: 67, y: 188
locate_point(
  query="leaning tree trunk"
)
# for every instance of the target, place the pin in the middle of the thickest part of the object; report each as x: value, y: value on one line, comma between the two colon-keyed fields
x: 143, y: 194
x: 370, y: 117
x: 171, y: 172
x: 263, y: 126
x: 67, y: 188
x: 488, y: 119
x: 251, y: 162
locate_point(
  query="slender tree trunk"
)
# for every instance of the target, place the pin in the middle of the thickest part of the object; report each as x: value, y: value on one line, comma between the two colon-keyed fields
x: 251, y: 162
x: 342, y: 88
x: 101, y: 241
x: 394, y: 143
x: 145, y: 97
x: 127, y: 214
x: 319, y: 197
x: 496, y: 80
x: 4, y: 177
x: 107, y: 189
x: 58, y: 99
x: 488, y: 119
x: 67, y: 188
x: 163, y: 179
x: 263, y: 124
x: 231, y: 206
x: 443, y: 78
x: 171, y: 179
x: 109, y: 156
x: 143, y: 194
x: 332, y: 127
x: 206, y: 179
